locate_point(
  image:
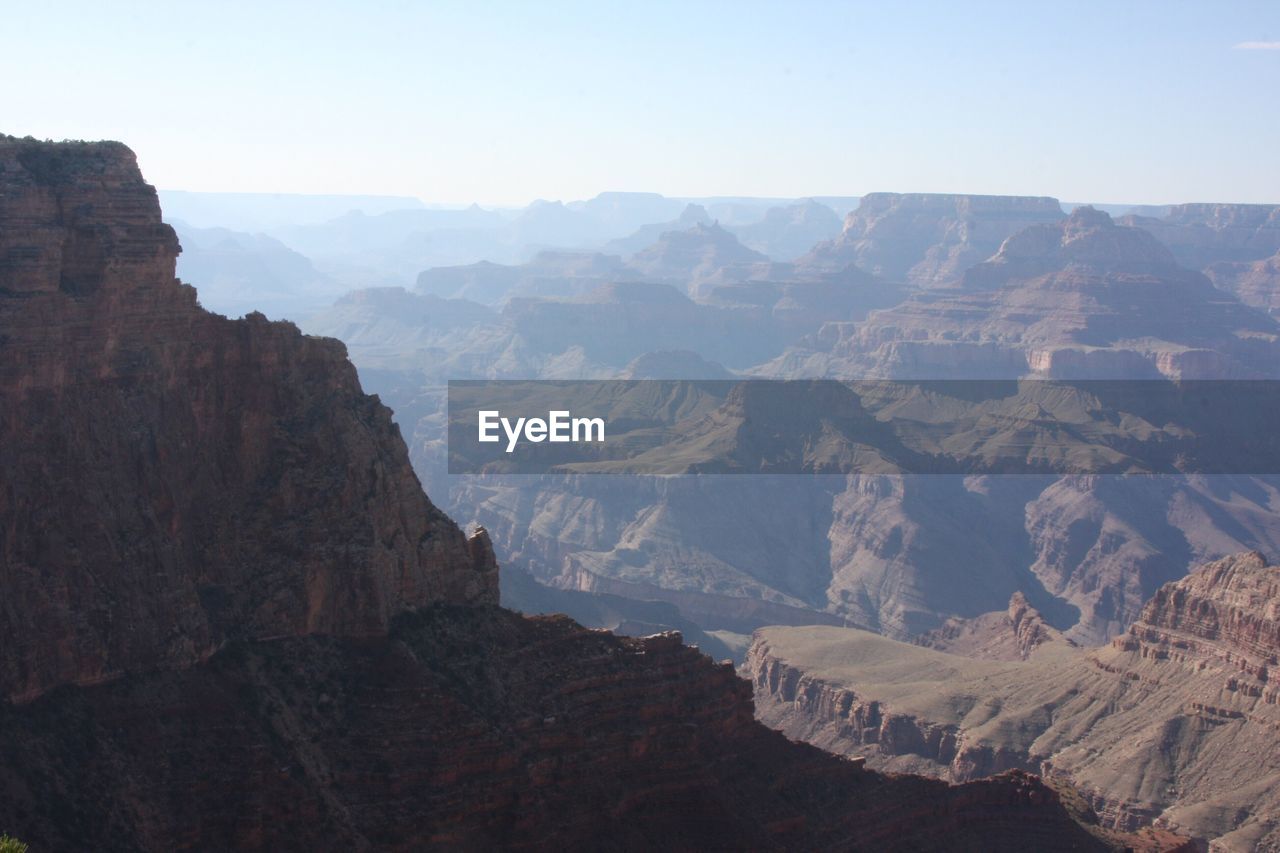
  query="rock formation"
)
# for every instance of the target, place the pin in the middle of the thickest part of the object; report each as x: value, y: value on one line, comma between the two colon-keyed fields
x: 471, y: 728
x: 688, y: 258
x: 1200, y: 235
x: 175, y: 480
x: 1012, y: 634
x: 788, y: 232
x: 928, y: 240
x: 647, y: 235
x: 1169, y: 724
x: 549, y: 273
x: 232, y: 619
x: 1079, y: 298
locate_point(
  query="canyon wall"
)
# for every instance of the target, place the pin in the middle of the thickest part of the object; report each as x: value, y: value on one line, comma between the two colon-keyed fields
x: 173, y: 479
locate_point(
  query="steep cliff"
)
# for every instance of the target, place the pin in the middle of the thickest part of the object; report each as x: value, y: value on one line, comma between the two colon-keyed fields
x: 1169, y: 724
x: 173, y: 479
x: 1228, y: 611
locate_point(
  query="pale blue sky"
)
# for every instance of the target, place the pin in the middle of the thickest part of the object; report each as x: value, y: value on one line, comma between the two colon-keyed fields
x: 506, y: 102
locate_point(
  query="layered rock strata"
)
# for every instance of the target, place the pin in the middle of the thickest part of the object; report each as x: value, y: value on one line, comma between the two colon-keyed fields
x: 1080, y: 298
x: 1170, y: 724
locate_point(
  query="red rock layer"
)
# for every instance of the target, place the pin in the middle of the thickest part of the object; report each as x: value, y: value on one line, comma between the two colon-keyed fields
x: 1228, y: 610
x: 174, y: 479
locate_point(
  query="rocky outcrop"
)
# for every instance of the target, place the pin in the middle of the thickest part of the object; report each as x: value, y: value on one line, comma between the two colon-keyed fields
x: 1228, y: 611
x: 1163, y: 726
x: 175, y: 480
x: 928, y: 239
x: 1012, y: 634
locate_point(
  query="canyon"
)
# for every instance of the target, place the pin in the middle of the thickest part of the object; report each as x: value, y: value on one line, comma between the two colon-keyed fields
x: 232, y: 618
x: 1076, y: 296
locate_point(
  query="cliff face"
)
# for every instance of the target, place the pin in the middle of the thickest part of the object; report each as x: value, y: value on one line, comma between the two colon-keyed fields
x: 1228, y: 611
x: 1165, y: 725
x: 174, y: 479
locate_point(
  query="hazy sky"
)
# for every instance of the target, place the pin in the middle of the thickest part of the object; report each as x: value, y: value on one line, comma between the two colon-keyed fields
x: 506, y: 102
